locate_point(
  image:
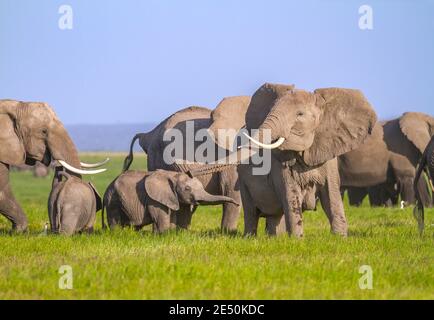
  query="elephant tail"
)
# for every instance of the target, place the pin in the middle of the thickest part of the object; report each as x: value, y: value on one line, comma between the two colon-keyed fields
x: 130, y: 157
x: 418, y: 210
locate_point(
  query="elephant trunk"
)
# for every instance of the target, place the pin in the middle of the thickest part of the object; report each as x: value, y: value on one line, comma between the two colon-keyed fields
x: 268, y: 132
x: 207, y: 198
x: 63, y: 149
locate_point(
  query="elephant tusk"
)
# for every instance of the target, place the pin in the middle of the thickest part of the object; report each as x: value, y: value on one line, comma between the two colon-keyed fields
x: 79, y: 171
x: 94, y: 165
x: 274, y: 145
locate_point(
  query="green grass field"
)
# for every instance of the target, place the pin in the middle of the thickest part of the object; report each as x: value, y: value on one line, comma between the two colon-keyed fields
x: 202, y: 263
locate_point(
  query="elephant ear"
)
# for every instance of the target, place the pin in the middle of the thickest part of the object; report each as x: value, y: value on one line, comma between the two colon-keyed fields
x: 97, y: 197
x: 160, y: 187
x: 346, y: 120
x: 262, y: 102
x: 227, y: 119
x: 418, y: 128
x: 12, y: 150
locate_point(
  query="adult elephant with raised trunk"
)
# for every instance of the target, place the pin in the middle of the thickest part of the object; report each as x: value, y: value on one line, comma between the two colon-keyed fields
x: 308, y: 131
x: 190, y: 122
x: 30, y: 132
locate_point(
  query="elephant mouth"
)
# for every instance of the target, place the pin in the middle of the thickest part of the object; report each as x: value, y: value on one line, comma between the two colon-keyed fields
x: 46, y: 159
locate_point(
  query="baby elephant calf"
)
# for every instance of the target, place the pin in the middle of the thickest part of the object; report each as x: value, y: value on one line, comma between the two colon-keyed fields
x: 73, y: 204
x: 163, y: 198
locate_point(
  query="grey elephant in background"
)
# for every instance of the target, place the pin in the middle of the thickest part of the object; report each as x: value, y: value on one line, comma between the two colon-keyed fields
x: 426, y: 163
x: 388, y: 158
x: 72, y: 204
x: 386, y: 194
x: 30, y: 132
x: 308, y: 131
x: 139, y: 198
x: 221, y: 182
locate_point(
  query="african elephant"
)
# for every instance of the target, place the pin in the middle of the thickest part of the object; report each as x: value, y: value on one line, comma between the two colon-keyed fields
x: 72, y: 204
x: 426, y: 163
x: 379, y: 195
x: 389, y: 156
x: 30, y: 132
x: 308, y: 131
x: 223, y: 182
x: 139, y: 198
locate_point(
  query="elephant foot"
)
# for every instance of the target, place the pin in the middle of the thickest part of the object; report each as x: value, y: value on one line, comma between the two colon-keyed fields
x: 229, y: 230
x: 342, y: 233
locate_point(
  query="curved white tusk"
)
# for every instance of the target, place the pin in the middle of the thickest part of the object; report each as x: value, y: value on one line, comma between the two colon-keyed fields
x: 274, y: 145
x: 94, y: 165
x: 79, y: 171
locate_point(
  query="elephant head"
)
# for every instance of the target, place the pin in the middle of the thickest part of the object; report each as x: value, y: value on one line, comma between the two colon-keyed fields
x: 171, y: 189
x: 32, y: 132
x: 319, y: 125
x: 418, y: 128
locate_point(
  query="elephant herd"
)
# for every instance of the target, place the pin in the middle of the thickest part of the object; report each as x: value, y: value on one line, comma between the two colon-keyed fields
x: 316, y: 145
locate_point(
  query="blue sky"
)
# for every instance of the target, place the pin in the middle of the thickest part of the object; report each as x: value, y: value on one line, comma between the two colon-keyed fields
x: 139, y: 61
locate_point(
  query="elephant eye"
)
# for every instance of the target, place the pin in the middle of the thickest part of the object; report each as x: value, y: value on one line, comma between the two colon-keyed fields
x: 300, y: 113
x: 187, y: 188
x: 44, y: 132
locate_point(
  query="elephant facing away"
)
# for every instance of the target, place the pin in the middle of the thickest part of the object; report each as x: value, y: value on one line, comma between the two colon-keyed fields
x: 72, y: 204
x: 308, y: 131
x: 389, y: 157
x: 426, y: 163
x: 215, y: 181
x: 139, y: 198
x: 30, y: 132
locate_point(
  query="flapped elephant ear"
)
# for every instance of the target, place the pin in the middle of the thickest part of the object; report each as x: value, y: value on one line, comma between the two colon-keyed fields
x: 227, y: 119
x: 160, y: 187
x: 262, y: 101
x: 418, y: 128
x: 97, y: 197
x: 346, y: 120
x: 12, y: 150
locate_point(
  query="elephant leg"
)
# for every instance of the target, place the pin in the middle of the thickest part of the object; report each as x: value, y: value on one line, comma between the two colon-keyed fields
x: 231, y: 212
x: 114, y: 215
x: 9, y: 207
x: 407, y: 192
x: 356, y: 195
x: 183, y: 217
x: 332, y: 202
x: 377, y: 197
x: 291, y: 198
x: 275, y: 225
x: 251, y: 214
x: 69, y: 217
x: 162, y: 219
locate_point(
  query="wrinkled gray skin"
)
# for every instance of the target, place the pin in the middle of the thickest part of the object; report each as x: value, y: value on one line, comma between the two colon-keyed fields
x: 30, y: 132
x: 389, y: 157
x: 218, y: 182
x: 317, y: 127
x: 72, y: 204
x: 426, y: 163
x: 139, y: 198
